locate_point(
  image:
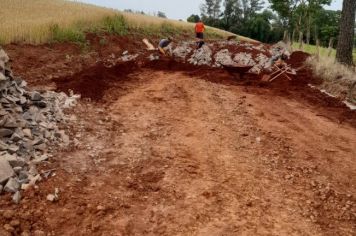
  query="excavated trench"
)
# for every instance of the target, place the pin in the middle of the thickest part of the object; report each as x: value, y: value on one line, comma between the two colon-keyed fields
x: 103, y: 84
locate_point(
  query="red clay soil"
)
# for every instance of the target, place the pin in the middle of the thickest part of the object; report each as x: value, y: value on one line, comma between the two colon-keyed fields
x: 172, y: 149
x: 46, y: 65
x: 181, y: 155
x: 94, y: 81
x: 51, y: 61
x: 297, y: 59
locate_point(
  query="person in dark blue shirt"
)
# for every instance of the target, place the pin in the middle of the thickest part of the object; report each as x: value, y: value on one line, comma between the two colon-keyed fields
x: 163, y: 44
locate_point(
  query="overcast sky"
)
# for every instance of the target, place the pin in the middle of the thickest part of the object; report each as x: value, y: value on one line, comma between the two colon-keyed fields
x: 174, y: 9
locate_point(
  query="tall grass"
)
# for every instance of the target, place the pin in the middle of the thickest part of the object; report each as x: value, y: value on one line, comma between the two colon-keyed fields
x: 337, y: 78
x: 41, y: 21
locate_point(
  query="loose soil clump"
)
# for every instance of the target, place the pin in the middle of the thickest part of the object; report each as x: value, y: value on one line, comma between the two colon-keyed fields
x: 94, y: 81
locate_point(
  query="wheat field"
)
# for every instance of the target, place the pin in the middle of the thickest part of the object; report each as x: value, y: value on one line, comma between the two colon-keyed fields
x: 30, y: 21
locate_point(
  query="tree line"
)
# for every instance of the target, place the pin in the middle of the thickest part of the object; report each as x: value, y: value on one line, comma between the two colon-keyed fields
x: 158, y: 13
x: 298, y: 20
x: 250, y: 19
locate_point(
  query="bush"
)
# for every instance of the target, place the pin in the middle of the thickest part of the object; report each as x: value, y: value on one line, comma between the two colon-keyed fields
x: 115, y: 25
x: 73, y: 34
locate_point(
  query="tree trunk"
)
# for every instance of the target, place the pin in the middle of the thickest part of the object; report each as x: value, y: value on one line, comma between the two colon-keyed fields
x: 308, y: 30
x: 285, y: 36
x: 317, y: 49
x: 347, y: 24
x: 293, y: 36
x: 331, y: 45
x: 300, y: 40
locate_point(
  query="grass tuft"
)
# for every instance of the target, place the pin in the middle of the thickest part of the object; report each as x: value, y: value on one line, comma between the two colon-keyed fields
x: 115, y: 24
x: 59, y: 34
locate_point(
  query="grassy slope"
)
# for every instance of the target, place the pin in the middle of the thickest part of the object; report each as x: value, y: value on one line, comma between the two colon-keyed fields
x: 40, y: 21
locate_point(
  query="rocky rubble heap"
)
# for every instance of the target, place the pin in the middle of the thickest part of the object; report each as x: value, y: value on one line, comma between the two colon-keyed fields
x: 28, y: 129
x: 229, y: 53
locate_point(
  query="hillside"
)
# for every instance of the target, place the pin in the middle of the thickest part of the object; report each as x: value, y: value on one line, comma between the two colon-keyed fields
x: 41, y: 21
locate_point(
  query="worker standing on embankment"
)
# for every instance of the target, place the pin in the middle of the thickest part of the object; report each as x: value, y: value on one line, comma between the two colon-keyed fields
x: 199, y: 33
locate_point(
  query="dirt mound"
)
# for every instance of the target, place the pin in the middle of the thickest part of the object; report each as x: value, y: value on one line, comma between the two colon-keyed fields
x: 94, y: 81
x: 297, y: 59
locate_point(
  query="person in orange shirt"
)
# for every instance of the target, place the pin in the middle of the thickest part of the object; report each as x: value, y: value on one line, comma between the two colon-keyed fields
x: 199, y: 31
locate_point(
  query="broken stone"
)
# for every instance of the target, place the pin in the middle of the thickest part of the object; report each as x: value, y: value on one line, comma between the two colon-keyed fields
x: 16, y: 198
x: 13, y: 149
x: 16, y: 137
x: 23, y: 100
x: 40, y: 147
x: 6, y: 171
x: 23, y: 176
x: 14, y: 161
x: 32, y: 182
x: 35, y: 96
x: 6, y: 132
x: 3, y: 146
x: 53, y: 197
x: 10, y: 123
x: 17, y: 169
x: 27, y: 133
x: 2, y: 77
x: 40, y: 159
x: 33, y: 170
x: 12, y: 186
x: 40, y: 104
x: 3, y: 56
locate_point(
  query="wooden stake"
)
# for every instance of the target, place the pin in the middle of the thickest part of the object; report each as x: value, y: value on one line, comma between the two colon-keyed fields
x: 300, y: 40
x: 317, y: 48
x: 331, y: 45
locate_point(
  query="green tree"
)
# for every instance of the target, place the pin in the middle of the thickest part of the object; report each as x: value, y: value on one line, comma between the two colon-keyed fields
x: 193, y: 18
x: 251, y: 7
x: 161, y: 14
x: 210, y: 12
x: 232, y: 14
x: 285, y: 8
x: 327, y: 26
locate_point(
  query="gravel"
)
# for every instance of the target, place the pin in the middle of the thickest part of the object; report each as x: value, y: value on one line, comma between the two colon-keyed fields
x: 29, y: 123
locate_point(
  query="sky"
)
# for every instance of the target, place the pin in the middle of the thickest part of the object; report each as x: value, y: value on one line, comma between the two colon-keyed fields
x: 174, y: 9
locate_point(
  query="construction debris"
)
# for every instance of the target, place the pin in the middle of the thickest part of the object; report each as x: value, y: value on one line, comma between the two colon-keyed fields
x: 28, y: 127
x: 202, y: 56
x: 223, y: 57
x: 227, y: 53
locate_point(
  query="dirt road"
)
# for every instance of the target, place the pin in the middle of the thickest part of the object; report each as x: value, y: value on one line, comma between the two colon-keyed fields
x: 166, y: 153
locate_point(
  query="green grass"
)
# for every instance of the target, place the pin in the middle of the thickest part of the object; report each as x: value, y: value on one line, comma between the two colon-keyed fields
x: 43, y: 21
x: 311, y: 49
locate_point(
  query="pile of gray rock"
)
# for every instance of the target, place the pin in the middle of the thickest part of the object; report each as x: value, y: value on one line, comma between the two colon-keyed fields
x: 29, y: 129
x: 208, y: 55
x: 202, y: 56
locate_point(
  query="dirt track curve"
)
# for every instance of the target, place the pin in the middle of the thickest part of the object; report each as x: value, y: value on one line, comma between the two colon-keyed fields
x: 172, y: 153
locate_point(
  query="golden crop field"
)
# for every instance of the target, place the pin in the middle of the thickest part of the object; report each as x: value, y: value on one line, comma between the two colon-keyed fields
x: 32, y: 21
